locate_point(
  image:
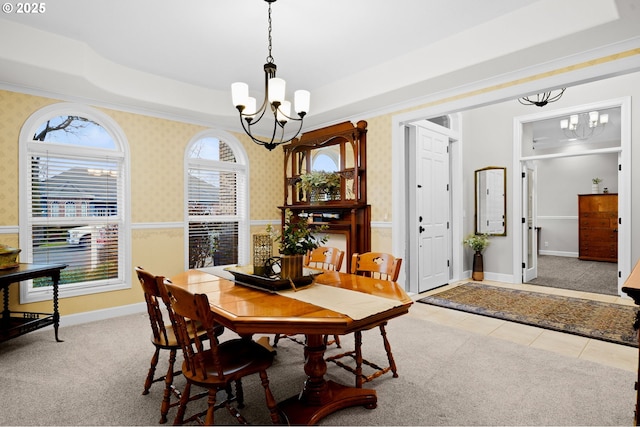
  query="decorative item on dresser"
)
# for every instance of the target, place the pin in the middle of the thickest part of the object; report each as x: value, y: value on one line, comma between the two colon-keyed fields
x: 598, y: 227
x: 341, y: 151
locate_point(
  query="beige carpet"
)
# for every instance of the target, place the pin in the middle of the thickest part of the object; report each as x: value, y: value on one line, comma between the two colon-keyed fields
x: 575, y: 274
x: 447, y: 377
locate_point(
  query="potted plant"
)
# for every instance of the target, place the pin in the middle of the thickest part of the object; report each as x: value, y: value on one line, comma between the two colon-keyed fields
x: 296, y: 238
x: 320, y: 185
x: 595, y: 185
x: 477, y: 242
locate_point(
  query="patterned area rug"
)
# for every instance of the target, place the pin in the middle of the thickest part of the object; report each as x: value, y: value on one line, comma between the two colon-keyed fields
x: 593, y: 319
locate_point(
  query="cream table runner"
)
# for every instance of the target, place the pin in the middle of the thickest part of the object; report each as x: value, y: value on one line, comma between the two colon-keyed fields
x: 356, y: 305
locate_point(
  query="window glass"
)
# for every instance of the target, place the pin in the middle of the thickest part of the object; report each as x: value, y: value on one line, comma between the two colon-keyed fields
x: 74, y: 174
x: 74, y: 130
x: 216, y: 203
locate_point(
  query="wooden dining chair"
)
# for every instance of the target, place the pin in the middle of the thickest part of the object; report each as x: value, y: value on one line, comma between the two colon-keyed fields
x: 324, y: 258
x: 321, y: 258
x: 214, y: 368
x: 163, y: 337
x: 386, y: 268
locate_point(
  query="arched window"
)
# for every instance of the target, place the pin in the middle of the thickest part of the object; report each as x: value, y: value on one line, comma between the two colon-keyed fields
x: 216, y: 206
x: 73, y: 156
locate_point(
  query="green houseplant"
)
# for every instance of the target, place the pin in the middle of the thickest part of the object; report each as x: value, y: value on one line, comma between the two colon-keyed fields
x: 297, y: 237
x: 320, y: 185
x: 595, y: 185
x: 477, y: 242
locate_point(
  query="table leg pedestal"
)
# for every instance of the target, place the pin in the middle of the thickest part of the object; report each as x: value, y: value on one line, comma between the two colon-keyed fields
x: 319, y: 397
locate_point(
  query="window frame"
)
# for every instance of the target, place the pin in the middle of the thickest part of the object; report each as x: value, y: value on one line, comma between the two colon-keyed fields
x: 241, y: 166
x: 28, y: 293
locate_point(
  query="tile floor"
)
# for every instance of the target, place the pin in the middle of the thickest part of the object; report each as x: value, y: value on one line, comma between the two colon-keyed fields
x: 615, y: 355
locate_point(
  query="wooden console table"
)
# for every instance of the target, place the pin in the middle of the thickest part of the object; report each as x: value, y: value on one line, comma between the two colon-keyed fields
x: 16, y: 323
x: 632, y: 288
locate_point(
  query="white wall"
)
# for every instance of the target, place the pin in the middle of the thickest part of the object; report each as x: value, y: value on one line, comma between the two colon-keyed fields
x: 559, y: 182
x: 487, y: 138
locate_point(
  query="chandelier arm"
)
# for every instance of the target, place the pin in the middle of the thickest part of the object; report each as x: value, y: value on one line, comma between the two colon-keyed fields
x: 558, y: 96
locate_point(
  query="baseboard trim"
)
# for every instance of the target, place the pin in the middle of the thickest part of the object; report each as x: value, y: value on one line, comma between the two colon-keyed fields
x: 560, y: 253
x: 103, y: 314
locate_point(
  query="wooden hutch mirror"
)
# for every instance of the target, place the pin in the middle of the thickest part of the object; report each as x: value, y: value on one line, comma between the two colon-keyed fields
x: 337, y: 154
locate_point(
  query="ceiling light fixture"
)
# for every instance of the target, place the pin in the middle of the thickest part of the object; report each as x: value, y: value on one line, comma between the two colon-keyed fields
x: 541, y: 99
x: 584, y: 125
x: 274, y: 100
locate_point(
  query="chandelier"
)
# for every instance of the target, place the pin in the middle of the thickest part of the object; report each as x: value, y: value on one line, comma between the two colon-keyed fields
x: 584, y: 125
x: 274, y: 101
x: 541, y: 99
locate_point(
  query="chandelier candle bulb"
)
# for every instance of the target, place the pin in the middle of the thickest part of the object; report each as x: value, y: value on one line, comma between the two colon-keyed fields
x: 276, y: 90
x: 302, y: 100
x: 240, y: 94
x: 284, y: 112
x: 250, y: 108
x: 573, y: 120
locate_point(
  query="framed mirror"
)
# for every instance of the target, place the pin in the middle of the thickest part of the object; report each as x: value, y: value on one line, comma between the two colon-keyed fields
x: 491, y: 201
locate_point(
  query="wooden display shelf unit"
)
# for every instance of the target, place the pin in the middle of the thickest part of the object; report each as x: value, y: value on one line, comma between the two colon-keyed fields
x: 343, y: 147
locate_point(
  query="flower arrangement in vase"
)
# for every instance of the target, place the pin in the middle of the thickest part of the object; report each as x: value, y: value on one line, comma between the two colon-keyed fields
x: 477, y: 242
x: 297, y: 237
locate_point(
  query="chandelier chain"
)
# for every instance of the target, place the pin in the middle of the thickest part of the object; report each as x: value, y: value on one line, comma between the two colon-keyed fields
x: 269, y: 57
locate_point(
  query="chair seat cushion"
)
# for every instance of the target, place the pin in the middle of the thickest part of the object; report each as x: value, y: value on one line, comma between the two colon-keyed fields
x: 238, y: 357
x: 172, y: 341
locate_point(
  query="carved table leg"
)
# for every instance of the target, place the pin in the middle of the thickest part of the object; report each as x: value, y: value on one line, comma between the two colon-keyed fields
x: 319, y: 397
x: 56, y: 314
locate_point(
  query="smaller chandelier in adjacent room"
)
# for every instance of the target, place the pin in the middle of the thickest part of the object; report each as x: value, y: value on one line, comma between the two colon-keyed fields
x: 274, y: 101
x: 584, y: 125
x: 541, y: 99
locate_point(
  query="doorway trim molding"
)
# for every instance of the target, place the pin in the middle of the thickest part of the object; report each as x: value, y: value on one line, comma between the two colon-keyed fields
x: 614, y: 60
x: 624, y: 177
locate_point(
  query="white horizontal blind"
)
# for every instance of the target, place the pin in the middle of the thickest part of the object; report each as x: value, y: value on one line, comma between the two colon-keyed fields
x: 75, y: 200
x: 215, y: 205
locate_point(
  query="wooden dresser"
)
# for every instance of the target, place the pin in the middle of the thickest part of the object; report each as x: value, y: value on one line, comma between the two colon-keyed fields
x: 598, y: 227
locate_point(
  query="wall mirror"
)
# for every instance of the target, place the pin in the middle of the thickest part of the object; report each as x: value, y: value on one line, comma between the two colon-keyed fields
x: 491, y: 201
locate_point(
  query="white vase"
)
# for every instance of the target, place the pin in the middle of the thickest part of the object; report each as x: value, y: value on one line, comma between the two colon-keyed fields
x: 595, y: 188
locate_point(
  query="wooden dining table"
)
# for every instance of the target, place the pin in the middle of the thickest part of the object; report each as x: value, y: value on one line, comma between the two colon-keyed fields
x: 316, y: 310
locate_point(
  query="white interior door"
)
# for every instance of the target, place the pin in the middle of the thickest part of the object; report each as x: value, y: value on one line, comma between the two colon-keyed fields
x: 432, y: 208
x: 529, y: 223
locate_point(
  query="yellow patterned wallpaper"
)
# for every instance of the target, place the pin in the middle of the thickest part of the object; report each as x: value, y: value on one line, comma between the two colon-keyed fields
x: 379, y: 169
x: 157, y: 186
x: 15, y: 108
